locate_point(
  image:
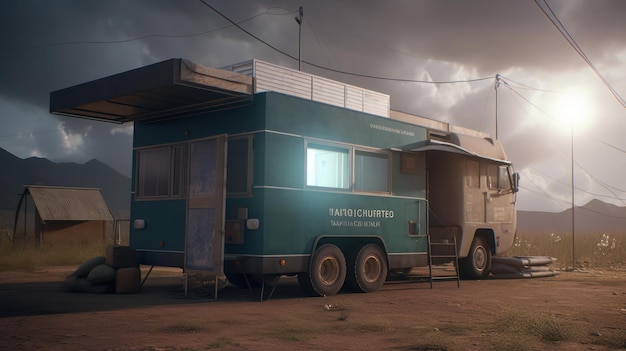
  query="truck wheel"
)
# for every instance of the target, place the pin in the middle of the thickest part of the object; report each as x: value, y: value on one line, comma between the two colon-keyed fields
x: 327, y: 272
x: 368, y: 269
x: 477, y: 264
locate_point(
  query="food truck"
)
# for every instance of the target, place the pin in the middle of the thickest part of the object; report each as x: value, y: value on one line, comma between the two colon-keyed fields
x: 256, y: 171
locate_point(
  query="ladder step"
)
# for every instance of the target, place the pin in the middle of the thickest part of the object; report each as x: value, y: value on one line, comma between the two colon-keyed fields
x: 443, y: 246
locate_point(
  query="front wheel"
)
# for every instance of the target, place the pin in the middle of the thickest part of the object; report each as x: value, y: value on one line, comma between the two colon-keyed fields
x: 477, y: 264
x: 327, y: 272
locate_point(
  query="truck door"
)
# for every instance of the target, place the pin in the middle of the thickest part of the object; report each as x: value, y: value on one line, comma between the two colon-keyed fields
x: 475, y: 197
x: 204, y: 243
x: 500, y: 196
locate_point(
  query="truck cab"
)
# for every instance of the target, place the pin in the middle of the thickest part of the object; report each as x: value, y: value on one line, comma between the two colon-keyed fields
x: 472, y: 193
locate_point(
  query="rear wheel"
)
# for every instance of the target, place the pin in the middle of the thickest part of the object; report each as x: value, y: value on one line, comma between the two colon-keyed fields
x: 368, y: 269
x: 477, y: 264
x: 327, y: 272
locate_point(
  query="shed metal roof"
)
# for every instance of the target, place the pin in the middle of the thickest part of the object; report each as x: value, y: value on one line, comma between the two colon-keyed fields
x: 166, y: 89
x: 69, y: 204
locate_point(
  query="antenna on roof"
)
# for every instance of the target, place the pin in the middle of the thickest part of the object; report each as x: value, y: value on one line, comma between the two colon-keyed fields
x: 299, y: 20
x: 496, y: 86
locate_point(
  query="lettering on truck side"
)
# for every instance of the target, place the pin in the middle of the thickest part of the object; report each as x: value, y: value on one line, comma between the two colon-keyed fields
x: 358, y: 213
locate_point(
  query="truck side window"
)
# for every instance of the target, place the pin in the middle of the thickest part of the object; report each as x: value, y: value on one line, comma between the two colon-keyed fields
x: 327, y: 166
x: 238, y: 166
x: 179, y: 181
x: 472, y: 174
x: 493, y: 176
x: 153, y: 172
x: 371, y: 171
x: 498, y: 177
x: 503, y: 178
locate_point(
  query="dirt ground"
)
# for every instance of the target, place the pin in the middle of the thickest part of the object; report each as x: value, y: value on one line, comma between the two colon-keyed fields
x: 571, y: 311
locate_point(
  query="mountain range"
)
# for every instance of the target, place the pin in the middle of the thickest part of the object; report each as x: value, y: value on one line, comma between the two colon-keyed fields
x: 596, y: 216
x: 17, y: 172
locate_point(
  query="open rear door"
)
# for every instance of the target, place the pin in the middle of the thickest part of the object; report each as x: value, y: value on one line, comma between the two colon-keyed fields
x: 204, y: 239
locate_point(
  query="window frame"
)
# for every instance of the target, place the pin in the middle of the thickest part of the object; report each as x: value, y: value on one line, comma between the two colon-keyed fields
x: 475, y: 176
x: 388, y: 157
x: 139, y: 173
x: 502, y: 177
x: 249, y: 166
x: 339, y: 148
x: 493, y: 180
x: 174, y: 173
x: 351, y: 152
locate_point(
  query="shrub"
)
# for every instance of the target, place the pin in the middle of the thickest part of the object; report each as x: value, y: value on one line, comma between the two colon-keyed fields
x: 29, y: 255
x: 591, y: 250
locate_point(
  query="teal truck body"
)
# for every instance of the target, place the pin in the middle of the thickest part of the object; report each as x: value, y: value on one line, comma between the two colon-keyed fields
x: 255, y: 184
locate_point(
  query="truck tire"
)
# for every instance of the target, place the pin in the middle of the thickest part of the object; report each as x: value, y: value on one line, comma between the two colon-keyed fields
x: 477, y: 264
x: 327, y: 272
x: 367, y: 270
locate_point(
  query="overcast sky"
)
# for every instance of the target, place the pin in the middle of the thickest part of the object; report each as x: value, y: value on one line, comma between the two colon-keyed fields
x: 50, y: 45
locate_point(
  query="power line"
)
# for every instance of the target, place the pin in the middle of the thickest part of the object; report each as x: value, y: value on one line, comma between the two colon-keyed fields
x: 511, y: 89
x: 524, y: 86
x: 147, y: 36
x: 336, y: 70
x: 614, y: 197
x: 246, y: 31
x: 542, y: 193
x: 609, y: 188
x: 554, y: 19
x: 564, y: 202
x: 420, y: 81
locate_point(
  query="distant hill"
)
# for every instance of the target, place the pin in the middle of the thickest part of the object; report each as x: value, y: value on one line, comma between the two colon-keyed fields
x: 594, y: 217
x: 17, y: 172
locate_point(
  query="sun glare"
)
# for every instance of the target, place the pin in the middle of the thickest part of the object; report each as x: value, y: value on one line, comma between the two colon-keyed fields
x: 571, y: 109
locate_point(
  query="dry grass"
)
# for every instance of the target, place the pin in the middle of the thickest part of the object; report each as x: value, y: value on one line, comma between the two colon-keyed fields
x: 528, y: 330
x: 296, y: 330
x: 591, y: 250
x: 222, y: 342
x: 24, y: 255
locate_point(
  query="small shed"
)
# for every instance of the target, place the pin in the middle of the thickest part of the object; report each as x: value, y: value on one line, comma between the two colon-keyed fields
x: 64, y: 215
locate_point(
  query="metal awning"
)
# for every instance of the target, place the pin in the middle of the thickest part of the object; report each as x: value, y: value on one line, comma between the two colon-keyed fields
x: 436, y: 145
x: 167, y: 89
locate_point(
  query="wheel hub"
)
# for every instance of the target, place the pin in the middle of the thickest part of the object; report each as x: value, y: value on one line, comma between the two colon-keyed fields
x: 480, y: 258
x: 372, y: 268
x: 329, y: 271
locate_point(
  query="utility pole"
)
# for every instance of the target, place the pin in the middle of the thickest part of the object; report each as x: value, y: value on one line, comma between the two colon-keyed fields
x: 496, y: 85
x: 299, y: 20
x: 573, y: 202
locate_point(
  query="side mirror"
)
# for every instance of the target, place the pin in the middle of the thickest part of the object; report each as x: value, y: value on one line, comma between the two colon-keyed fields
x: 516, y: 182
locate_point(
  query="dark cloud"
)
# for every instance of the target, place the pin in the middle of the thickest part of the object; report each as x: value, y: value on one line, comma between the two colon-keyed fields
x: 66, y: 42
